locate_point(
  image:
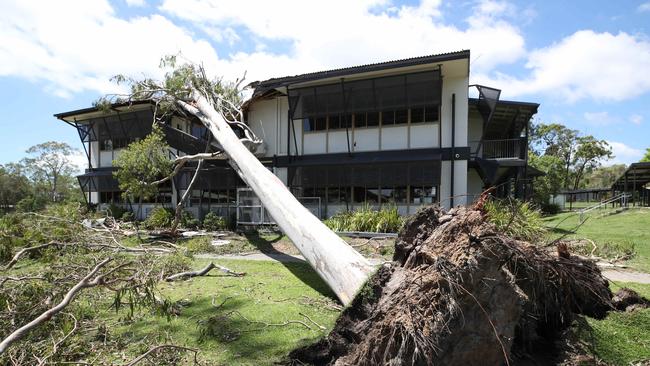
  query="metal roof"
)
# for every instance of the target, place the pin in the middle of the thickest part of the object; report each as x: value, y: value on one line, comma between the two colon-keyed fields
x: 635, y: 177
x: 422, y: 60
x: 77, y: 112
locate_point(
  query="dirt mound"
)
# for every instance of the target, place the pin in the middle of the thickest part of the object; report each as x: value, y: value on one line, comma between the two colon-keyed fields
x: 460, y: 293
x: 626, y: 299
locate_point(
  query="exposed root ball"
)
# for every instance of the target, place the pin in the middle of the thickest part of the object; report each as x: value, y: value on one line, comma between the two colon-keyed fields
x: 459, y: 293
x: 627, y: 299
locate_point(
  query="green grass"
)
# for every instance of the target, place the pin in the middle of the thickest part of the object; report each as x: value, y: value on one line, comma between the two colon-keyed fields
x: 621, y: 338
x: 631, y: 227
x: 270, y: 292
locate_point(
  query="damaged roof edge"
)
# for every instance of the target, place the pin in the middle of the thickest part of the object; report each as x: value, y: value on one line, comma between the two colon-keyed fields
x: 286, y: 80
x: 64, y: 115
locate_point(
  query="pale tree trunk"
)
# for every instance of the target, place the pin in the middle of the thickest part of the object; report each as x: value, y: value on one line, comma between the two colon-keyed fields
x: 337, y: 263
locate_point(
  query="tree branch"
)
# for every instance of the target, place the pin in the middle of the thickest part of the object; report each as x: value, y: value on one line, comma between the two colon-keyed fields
x: 203, y: 272
x: 23, y: 251
x: 144, y: 355
x: 47, y: 315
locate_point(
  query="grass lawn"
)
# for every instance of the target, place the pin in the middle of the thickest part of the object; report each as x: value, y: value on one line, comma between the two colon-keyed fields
x: 628, y: 227
x: 621, y: 338
x: 224, y: 316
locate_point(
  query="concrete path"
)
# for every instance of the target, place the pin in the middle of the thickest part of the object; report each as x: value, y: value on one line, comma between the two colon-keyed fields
x: 620, y: 275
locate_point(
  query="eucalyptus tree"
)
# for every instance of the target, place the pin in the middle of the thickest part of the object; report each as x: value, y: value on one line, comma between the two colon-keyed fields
x: 186, y: 89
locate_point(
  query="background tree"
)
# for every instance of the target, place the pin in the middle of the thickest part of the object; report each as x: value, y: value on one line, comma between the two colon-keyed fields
x: 49, y: 162
x: 14, y: 185
x: 604, y: 176
x: 589, y: 154
x: 646, y: 157
x: 559, y: 141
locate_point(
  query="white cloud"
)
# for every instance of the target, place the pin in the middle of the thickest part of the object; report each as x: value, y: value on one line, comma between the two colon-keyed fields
x: 643, y: 7
x: 79, y: 161
x: 624, y: 154
x: 135, y: 2
x: 77, y: 48
x: 599, y: 118
x: 586, y: 64
x: 636, y: 119
x: 340, y: 33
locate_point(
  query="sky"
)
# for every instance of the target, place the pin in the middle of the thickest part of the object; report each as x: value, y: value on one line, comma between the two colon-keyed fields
x: 586, y: 62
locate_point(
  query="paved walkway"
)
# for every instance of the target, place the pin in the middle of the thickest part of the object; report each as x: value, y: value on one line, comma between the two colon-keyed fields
x: 612, y: 274
x: 620, y: 275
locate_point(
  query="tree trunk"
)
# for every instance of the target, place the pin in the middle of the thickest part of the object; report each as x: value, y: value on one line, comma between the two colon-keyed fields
x: 337, y: 263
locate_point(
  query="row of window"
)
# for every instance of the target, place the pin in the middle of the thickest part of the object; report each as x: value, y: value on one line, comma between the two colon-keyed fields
x: 116, y: 197
x: 371, y: 119
x: 417, y: 195
x: 114, y: 144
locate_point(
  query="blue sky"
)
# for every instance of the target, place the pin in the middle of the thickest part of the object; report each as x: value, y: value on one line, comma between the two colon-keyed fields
x: 586, y: 62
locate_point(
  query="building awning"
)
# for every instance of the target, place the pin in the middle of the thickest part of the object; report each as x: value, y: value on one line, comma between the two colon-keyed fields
x: 357, y: 158
x: 635, y: 177
x: 98, y: 180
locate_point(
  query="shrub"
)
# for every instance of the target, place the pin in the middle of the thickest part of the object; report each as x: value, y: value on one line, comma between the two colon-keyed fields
x: 386, y: 220
x: 158, y: 218
x: 31, y: 204
x: 550, y: 208
x: 515, y: 218
x: 116, y: 211
x: 201, y: 244
x: 128, y: 216
x: 213, y: 222
x: 188, y: 220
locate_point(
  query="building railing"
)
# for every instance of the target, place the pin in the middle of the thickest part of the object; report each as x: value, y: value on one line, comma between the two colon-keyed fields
x: 500, y: 149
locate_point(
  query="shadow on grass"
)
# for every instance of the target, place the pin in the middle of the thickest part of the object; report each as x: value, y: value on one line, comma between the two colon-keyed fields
x: 297, y: 267
x: 221, y: 325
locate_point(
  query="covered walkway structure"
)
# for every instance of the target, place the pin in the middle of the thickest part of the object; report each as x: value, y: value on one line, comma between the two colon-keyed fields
x: 636, y: 182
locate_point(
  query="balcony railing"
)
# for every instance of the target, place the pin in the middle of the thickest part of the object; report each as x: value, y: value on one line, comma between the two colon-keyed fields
x: 500, y: 149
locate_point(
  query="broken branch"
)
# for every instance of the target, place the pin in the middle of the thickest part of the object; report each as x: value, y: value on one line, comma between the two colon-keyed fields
x: 203, y: 272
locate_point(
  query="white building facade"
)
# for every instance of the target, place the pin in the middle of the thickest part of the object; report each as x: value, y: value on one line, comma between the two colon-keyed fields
x: 402, y: 133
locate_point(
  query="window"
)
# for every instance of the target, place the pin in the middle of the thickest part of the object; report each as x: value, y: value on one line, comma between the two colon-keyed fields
x: 423, y: 195
x: 121, y: 143
x: 396, y: 117
x: 393, y: 195
x: 372, y: 119
x: 106, y: 145
x: 424, y: 114
x: 431, y: 113
x: 110, y: 197
x: 314, y: 124
x: 334, y: 122
x: 338, y: 195
x: 360, y: 120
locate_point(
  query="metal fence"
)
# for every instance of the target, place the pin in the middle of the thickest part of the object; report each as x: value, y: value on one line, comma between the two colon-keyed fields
x: 251, y: 211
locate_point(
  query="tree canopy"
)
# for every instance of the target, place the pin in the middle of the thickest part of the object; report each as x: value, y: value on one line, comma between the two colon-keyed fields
x: 646, y: 157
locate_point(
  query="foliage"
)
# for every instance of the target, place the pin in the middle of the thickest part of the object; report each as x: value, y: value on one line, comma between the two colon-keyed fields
x: 629, y: 228
x: 116, y: 211
x: 386, y: 220
x: 515, y: 218
x: 49, y: 164
x: 604, y: 176
x: 142, y: 163
x: 159, y: 218
x: 128, y: 216
x: 188, y: 220
x: 14, y: 185
x: 566, y: 156
x: 201, y: 244
x: 608, y: 250
x: 31, y: 203
x: 214, y: 222
x: 550, y: 208
x: 646, y: 157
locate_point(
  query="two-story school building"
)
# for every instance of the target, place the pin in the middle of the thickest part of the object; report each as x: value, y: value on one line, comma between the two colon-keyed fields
x: 404, y: 133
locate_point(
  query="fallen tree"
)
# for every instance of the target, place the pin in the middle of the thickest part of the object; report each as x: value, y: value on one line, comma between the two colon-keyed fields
x: 460, y: 293
x: 187, y: 89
